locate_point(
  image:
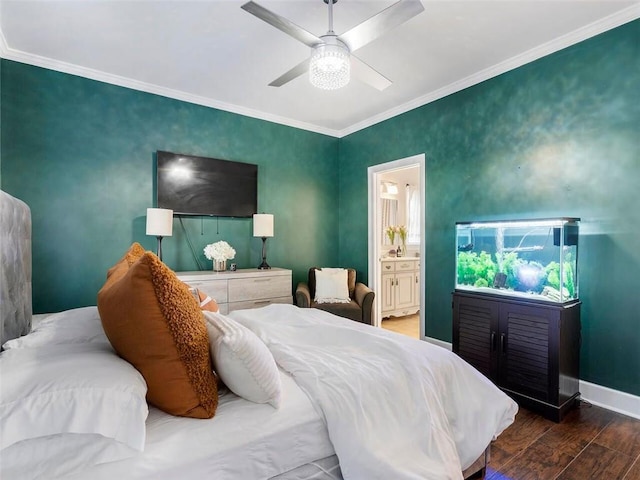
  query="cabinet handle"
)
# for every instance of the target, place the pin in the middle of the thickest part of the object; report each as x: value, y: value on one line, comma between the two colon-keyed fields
x: 261, y: 279
x: 261, y: 302
x: 388, y: 267
x: 417, y: 279
x: 503, y: 344
x: 493, y: 341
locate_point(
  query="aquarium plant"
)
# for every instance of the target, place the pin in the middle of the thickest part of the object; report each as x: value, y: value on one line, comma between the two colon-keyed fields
x: 476, y: 269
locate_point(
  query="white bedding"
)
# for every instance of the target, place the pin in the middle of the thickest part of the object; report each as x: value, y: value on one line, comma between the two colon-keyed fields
x: 395, y: 407
x: 244, y: 440
x: 389, y: 406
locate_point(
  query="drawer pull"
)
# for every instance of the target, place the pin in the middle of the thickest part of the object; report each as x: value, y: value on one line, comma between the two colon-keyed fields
x: 262, y: 280
x: 262, y: 302
x: 388, y: 267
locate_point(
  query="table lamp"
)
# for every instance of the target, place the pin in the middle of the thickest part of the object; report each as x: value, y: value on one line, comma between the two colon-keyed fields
x: 160, y: 224
x: 263, y: 227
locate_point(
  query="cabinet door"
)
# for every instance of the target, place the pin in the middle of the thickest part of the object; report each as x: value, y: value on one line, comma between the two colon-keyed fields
x: 405, y: 290
x: 524, y: 350
x: 475, y: 332
x: 387, y: 300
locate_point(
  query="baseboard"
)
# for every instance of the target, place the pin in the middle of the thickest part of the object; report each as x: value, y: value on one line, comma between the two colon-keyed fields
x: 605, y: 397
x: 610, y: 399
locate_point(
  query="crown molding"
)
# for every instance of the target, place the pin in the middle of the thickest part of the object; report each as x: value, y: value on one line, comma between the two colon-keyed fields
x: 612, y: 21
x: 607, y: 23
x: 38, y: 61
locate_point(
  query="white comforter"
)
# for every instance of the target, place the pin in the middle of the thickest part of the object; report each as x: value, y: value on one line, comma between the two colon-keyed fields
x: 395, y: 407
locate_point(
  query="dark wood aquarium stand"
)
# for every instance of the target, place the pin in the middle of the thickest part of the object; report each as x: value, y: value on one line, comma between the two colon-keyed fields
x: 529, y: 349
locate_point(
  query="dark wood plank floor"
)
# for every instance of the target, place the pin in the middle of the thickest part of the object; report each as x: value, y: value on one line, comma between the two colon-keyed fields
x: 591, y: 443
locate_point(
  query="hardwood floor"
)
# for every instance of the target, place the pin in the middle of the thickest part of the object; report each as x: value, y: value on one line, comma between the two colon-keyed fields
x: 407, y: 325
x: 591, y: 443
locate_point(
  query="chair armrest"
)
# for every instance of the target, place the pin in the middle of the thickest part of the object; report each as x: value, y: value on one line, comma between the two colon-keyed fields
x: 303, y: 295
x: 364, y: 296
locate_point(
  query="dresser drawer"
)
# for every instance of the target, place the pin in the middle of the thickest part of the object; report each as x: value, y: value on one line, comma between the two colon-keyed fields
x: 258, y: 303
x: 258, y: 288
x: 216, y: 289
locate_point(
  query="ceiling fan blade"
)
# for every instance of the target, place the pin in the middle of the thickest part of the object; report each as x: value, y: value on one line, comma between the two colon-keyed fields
x: 295, y: 72
x: 390, y: 17
x: 368, y: 75
x: 282, y: 24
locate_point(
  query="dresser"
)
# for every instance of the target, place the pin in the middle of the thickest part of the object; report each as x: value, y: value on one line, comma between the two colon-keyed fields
x: 246, y: 288
x: 400, y: 286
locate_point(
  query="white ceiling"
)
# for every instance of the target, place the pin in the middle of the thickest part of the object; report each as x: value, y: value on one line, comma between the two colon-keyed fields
x: 213, y: 53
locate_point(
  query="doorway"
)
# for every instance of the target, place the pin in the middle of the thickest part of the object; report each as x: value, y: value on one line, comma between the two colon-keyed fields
x: 380, y: 178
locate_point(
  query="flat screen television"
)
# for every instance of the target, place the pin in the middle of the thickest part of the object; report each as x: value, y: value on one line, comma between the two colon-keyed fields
x: 191, y: 185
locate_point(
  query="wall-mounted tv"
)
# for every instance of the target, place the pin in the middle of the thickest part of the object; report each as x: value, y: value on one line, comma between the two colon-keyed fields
x: 191, y: 185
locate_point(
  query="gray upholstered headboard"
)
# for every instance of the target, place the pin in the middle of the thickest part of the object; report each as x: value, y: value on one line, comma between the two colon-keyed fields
x: 15, y: 269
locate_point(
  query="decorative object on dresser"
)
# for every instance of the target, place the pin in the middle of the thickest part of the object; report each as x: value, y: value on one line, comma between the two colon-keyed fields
x: 263, y: 227
x: 358, y: 304
x: 400, y: 287
x: 160, y: 224
x: 516, y: 312
x: 243, y: 288
x: 219, y: 252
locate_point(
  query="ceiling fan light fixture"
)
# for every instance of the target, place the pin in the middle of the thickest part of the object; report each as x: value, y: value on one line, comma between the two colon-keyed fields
x: 330, y: 66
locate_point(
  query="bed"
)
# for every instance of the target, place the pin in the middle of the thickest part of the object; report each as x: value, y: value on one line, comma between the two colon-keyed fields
x: 299, y: 394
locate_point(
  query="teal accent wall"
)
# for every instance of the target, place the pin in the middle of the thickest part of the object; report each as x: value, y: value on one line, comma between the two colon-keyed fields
x: 80, y: 153
x: 557, y: 137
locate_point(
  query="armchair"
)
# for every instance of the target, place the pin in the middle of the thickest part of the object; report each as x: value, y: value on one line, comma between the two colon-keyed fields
x: 361, y: 298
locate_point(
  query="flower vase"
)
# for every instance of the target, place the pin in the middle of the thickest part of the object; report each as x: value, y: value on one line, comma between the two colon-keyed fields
x: 219, y: 265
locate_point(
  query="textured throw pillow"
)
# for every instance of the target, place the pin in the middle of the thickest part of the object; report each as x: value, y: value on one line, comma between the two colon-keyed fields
x: 155, y: 323
x: 243, y: 361
x: 332, y: 286
x: 129, y: 258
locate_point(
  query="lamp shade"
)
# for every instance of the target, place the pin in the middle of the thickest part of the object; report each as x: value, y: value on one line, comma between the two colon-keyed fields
x: 159, y: 222
x: 263, y: 225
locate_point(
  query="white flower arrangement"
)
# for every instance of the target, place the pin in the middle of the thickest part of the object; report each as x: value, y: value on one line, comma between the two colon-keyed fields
x: 219, y: 251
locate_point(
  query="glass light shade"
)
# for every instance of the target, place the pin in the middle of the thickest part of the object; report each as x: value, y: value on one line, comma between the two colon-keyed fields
x: 330, y: 67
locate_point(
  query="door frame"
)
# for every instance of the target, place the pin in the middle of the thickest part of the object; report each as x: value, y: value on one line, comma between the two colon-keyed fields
x: 374, y: 227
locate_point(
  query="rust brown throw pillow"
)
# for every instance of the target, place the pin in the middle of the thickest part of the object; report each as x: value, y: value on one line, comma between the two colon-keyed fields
x: 129, y: 258
x: 153, y: 322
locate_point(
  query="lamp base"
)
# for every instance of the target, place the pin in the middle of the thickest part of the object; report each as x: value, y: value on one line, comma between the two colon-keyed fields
x: 264, y: 265
x: 159, y: 251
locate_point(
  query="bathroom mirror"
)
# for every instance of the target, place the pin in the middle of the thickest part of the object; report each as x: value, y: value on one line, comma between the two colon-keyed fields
x: 389, y: 217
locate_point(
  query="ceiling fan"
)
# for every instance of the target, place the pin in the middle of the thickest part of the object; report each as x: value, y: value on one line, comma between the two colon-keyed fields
x: 332, y: 60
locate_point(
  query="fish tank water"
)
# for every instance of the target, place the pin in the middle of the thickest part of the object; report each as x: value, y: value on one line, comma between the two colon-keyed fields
x: 534, y: 259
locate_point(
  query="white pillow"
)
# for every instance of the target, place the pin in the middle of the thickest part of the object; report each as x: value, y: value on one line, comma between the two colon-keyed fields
x: 243, y: 361
x: 83, y: 389
x: 79, y: 325
x: 332, y: 286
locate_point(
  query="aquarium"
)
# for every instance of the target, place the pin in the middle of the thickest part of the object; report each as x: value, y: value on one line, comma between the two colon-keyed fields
x: 535, y: 259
